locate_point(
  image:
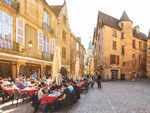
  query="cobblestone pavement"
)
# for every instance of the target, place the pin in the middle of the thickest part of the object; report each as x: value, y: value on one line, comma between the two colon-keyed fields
x: 114, y: 97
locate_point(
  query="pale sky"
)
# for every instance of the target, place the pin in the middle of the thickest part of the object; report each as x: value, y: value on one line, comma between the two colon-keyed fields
x: 82, y: 14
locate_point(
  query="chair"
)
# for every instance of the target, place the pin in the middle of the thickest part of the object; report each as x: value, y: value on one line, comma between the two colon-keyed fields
x: 15, y: 96
x: 35, y: 102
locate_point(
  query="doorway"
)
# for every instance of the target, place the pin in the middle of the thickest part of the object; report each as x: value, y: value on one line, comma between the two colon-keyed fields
x: 114, y: 74
x: 123, y: 76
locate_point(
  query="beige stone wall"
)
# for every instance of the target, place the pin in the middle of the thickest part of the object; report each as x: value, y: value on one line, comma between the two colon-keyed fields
x: 103, y: 42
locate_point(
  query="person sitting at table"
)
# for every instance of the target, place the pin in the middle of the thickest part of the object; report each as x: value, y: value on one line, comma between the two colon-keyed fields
x: 27, y: 82
x: 54, y: 86
x: 43, y: 91
x: 70, y: 87
x: 76, y: 89
x: 6, y: 82
x: 19, y: 84
x: 63, y: 100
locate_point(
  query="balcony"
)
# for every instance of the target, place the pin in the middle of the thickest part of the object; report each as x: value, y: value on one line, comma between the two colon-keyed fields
x: 14, y: 4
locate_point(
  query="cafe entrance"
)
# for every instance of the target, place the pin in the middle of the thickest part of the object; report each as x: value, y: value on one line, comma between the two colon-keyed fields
x: 5, y: 69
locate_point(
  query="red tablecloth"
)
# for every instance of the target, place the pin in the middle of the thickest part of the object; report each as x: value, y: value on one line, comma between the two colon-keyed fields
x: 80, y: 85
x: 9, y: 91
x: 48, y: 99
x: 29, y: 91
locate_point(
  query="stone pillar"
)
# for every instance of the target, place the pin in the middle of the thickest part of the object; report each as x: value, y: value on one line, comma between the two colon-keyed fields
x: 42, y: 70
x: 14, y: 70
x: 119, y: 75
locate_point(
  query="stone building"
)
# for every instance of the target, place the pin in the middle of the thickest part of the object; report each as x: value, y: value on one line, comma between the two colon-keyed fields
x: 148, y: 56
x: 77, y: 57
x: 29, y: 32
x: 119, y: 49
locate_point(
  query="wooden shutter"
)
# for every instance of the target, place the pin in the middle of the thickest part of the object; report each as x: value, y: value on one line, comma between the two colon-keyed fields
x: 117, y: 59
x: 110, y: 59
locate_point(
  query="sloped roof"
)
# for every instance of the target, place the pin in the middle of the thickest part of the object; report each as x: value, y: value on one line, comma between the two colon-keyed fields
x: 124, y: 17
x: 56, y: 9
x: 109, y: 20
x: 113, y: 22
x: 140, y: 35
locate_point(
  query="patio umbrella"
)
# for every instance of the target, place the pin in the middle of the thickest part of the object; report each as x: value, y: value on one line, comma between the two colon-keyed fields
x: 57, y: 65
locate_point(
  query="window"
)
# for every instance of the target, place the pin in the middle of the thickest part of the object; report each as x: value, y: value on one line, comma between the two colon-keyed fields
x: 122, y: 35
x: 133, y: 59
x: 40, y: 40
x: 64, y: 53
x: 123, y: 51
x: 53, y: 45
x: 122, y: 25
x: 46, y: 44
x: 30, y: 36
x: 46, y: 52
x: 114, y: 59
x: 123, y: 64
x: 134, y: 44
x: 114, y: 33
x: 114, y: 45
x: 64, y: 35
x: 77, y: 46
x: 6, y: 31
x: 46, y: 21
x: 65, y: 19
x: 140, y: 45
x: 9, y: 2
x: 20, y: 31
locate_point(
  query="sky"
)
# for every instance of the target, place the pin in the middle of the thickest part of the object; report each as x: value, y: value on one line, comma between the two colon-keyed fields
x: 83, y: 14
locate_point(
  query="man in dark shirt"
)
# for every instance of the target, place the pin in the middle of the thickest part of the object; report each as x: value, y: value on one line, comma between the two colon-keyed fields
x: 99, y: 81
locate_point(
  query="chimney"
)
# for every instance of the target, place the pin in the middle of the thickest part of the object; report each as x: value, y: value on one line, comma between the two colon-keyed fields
x: 137, y: 29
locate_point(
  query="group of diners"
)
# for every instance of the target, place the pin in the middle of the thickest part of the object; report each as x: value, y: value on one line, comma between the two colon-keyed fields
x: 44, y: 93
x: 53, y: 97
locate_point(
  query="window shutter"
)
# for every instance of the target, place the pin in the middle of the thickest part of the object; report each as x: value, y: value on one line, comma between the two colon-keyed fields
x: 110, y: 59
x: 117, y: 59
x: 40, y: 40
x: 20, y: 31
x: 53, y: 45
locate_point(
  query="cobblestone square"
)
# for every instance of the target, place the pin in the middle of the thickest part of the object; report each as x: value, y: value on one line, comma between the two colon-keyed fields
x: 114, y: 97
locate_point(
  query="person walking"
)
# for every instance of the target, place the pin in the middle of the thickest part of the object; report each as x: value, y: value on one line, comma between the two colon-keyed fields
x: 92, y: 81
x: 98, y: 80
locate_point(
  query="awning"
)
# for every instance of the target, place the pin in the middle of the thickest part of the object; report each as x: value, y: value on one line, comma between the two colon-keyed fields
x: 11, y: 57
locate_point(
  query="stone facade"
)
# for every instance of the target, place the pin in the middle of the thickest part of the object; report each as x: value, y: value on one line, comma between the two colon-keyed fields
x: 35, y: 29
x: 119, y: 49
x: 148, y: 57
x: 77, y: 57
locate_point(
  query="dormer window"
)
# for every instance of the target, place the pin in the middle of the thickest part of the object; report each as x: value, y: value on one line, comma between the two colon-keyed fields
x: 46, y: 21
